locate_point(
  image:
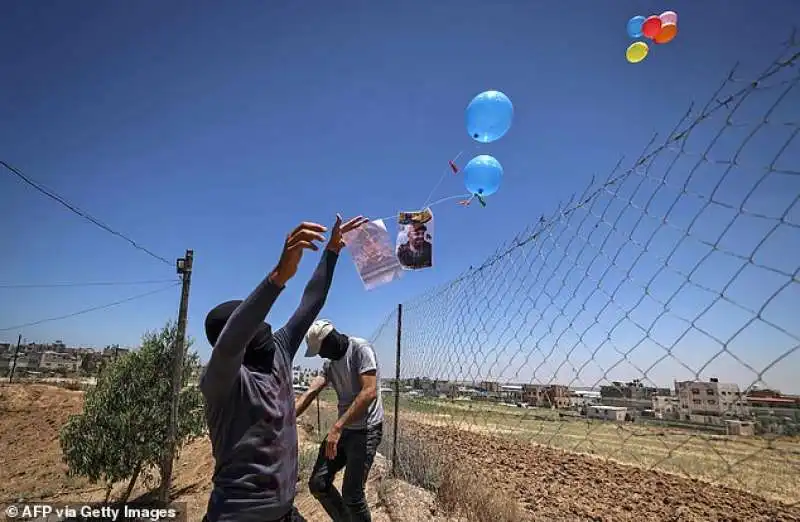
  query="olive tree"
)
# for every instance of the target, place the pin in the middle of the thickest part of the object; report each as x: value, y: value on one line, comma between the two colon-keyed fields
x: 122, y: 432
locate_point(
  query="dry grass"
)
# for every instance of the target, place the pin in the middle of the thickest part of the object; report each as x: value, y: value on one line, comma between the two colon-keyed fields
x: 459, y: 492
x: 472, y: 497
x: 307, y: 457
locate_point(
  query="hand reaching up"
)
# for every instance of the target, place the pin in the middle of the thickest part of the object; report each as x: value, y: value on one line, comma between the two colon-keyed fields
x: 300, y: 239
x: 336, y: 242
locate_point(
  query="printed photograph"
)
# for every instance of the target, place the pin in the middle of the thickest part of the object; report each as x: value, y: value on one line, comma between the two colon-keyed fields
x: 372, y: 252
x: 415, y: 239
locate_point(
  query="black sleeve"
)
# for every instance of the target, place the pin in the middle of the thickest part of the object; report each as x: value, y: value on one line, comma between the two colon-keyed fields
x: 311, y: 303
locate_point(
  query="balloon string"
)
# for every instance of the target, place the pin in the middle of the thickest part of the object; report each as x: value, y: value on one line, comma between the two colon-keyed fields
x: 438, y: 201
x: 442, y: 200
x: 441, y: 178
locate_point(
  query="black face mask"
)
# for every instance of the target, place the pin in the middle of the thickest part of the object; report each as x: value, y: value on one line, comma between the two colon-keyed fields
x: 260, y: 351
x: 334, y: 346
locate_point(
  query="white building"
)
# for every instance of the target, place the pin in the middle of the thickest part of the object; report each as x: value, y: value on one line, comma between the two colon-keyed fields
x: 511, y: 392
x: 707, y: 399
x: 581, y: 398
x: 611, y: 413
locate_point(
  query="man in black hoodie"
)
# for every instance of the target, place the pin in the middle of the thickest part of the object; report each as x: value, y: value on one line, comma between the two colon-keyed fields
x: 247, y: 386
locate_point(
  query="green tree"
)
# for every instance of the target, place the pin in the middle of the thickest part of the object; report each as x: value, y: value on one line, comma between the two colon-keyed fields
x: 122, y: 431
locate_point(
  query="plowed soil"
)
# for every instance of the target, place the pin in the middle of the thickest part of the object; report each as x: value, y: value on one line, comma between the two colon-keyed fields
x: 557, y: 485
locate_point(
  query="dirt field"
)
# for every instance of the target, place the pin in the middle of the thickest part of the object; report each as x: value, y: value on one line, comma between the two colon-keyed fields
x: 31, y: 467
x: 551, y: 484
x: 769, y: 468
x: 558, y: 485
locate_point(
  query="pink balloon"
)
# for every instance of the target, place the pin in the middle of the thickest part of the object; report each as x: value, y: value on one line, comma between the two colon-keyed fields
x: 669, y: 17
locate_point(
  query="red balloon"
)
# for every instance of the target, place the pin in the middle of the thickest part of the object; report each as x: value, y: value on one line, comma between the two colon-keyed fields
x: 651, y: 27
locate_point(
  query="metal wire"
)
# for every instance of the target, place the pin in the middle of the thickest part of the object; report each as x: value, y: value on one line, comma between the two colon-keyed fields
x: 682, y: 267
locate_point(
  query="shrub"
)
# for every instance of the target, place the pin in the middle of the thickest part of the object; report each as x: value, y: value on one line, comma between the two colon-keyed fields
x: 122, y: 431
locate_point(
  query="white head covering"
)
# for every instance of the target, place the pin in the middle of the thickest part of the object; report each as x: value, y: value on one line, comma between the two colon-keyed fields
x: 316, y: 334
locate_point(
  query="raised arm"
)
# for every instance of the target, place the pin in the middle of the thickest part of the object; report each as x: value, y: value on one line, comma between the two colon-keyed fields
x: 228, y: 352
x: 316, y: 291
x: 311, y: 303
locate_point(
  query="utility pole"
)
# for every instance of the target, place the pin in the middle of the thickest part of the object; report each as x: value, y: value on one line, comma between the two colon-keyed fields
x: 184, y: 267
x: 14, y: 362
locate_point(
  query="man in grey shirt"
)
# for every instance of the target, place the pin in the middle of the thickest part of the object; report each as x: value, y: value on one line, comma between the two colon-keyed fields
x: 247, y: 386
x: 351, y: 443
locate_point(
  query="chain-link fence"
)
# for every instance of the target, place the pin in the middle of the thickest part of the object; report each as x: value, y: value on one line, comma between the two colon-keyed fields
x: 652, y: 321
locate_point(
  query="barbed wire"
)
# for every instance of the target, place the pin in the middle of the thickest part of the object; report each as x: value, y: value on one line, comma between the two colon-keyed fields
x: 81, y: 213
x: 681, y: 267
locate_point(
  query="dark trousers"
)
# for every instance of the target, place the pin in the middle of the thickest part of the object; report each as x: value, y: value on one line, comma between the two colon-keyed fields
x: 355, y: 452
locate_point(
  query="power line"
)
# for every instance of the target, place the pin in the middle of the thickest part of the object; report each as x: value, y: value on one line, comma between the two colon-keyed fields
x: 82, y: 213
x: 93, y: 309
x: 97, y: 283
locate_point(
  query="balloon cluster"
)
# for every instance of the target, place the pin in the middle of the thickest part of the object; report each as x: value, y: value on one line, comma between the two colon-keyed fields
x: 660, y: 29
x: 489, y: 117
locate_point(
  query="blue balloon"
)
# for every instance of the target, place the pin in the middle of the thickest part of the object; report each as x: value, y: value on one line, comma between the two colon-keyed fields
x: 482, y: 175
x: 635, y: 26
x: 489, y: 116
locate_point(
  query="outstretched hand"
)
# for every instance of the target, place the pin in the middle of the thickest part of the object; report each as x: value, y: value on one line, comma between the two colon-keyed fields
x: 300, y: 239
x: 336, y: 242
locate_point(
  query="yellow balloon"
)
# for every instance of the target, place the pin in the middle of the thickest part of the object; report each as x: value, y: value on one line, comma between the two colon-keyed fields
x: 637, y: 52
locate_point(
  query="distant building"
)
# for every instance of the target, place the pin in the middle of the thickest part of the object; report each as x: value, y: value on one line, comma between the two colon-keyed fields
x: 511, y: 392
x: 29, y: 361
x: 697, y: 399
x: 770, y: 405
x: 583, y: 398
x: 610, y: 413
x: 766, y: 398
x: 633, y: 395
x: 114, y: 351
x: 444, y: 388
x: 58, y: 361
x: 665, y: 406
x: 489, y: 386
x: 740, y: 428
x: 466, y: 392
x: 546, y: 396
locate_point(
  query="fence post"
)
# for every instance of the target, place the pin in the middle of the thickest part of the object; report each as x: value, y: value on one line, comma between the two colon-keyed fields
x: 397, y: 388
x: 14, y: 362
x: 319, y: 421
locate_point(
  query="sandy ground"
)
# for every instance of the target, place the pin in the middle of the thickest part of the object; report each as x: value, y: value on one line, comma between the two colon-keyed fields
x: 31, y: 467
x: 551, y: 484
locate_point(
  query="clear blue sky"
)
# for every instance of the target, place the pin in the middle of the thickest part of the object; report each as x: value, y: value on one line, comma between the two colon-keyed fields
x: 188, y: 124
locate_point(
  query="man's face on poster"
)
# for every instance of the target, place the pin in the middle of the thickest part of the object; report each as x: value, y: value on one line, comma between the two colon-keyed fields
x: 416, y: 236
